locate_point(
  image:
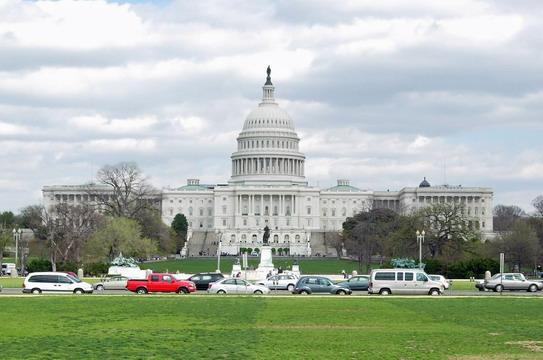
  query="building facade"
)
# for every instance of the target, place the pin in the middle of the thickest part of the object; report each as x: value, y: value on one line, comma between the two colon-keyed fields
x: 268, y: 188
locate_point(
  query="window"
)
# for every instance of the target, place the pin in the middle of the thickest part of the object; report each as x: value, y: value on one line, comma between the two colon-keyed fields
x: 223, y: 222
x: 384, y: 276
x: 154, y: 278
x: 399, y: 276
x: 409, y: 276
x: 421, y: 277
x: 190, y: 211
x: 201, y: 212
x: 167, y: 278
x: 309, y: 210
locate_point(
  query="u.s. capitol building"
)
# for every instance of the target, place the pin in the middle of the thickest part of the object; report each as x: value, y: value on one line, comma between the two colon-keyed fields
x: 268, y: 188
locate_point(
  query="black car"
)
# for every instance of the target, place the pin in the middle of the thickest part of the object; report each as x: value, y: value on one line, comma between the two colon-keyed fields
x: 202, y: 280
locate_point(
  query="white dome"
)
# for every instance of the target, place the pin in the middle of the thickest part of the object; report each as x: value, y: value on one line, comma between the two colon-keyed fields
x: 266, y: 116
x: 268, y: 146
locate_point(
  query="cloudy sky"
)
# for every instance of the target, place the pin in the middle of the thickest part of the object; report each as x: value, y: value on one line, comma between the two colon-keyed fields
x: 382, y: 93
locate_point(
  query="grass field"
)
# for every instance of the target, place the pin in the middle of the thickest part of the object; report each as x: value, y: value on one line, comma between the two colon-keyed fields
x: 253, y: 327
x: 196, y: 265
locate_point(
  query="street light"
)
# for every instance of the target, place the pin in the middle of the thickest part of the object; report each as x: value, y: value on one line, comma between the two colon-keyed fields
x: 219, y: 249
x: 17, y: 236
x: 420, y: 239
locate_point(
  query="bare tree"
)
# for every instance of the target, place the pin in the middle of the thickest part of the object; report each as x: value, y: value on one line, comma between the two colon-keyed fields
x: 335, y: 241
x: 64, y: 228
x: 127, y: 192
x: 520, y: 245
x: 505, y: 216
x: 538, y: 204
x: 447, y: 226
x: 368, y: 233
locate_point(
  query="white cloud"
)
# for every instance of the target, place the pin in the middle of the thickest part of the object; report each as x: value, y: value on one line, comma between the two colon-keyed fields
x: 382, y: 93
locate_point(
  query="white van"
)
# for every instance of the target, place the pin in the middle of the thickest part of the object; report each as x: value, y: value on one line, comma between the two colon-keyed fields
x: 7, y: 267
x: 55, y: 283
x: 403, y: 281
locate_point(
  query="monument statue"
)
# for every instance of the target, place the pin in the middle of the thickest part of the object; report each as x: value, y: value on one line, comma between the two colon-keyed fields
x: 268, y: 79
x: 405, y: 264
x: 266, y: 237
x: 121, y: 261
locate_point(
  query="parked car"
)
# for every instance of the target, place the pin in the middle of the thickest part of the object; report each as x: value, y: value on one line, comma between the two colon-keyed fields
x: 55, y: 282
x: 279, y: 282
x: 7, y: 267
x: 359, y: 282
x: 202, y: 280
x: 236, y: 286
x: 440, y: 278
x: 480, y: 284
x: 403, y: 281
x: 160, y: 283
x: 320, y: 285
x: 512, y: 281
x: 112, y: 283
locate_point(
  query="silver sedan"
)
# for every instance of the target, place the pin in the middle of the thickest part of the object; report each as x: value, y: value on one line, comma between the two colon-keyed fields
x: 279, y: 282
x: 112, y: 283
x: 236, y: 286
x: 512, y: 281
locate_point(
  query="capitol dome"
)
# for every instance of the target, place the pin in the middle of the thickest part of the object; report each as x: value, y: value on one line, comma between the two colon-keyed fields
x: 268, y: 146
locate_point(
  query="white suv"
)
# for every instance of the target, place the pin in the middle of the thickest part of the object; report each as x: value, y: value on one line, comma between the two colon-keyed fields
x: 55, y: 283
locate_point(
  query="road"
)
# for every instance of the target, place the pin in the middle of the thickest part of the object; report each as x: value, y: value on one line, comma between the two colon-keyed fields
x: 284, y: 292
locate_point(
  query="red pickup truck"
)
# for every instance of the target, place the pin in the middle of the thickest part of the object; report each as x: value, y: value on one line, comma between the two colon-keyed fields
x: 160, y: 283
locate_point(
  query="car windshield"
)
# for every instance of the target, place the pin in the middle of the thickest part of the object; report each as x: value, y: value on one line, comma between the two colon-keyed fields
x: 74, y: 279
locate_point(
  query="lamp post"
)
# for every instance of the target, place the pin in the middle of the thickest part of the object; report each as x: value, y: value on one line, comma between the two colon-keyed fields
x: 420, y: 239
x: 219, y: 249
x: 17, y: 236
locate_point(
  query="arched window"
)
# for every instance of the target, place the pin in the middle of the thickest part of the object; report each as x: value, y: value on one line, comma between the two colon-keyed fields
x: 232, y: 238
x: 190, y: 211
x: 287, y: 238
x: 275, y: 238
x: 343, y: 212
x: 254, y: 238
x: 297, y: 238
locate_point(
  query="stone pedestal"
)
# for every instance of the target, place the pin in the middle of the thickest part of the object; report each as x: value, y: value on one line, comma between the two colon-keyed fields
x: 296, y: 269
x: 236, y: 268
x: 266, y: 263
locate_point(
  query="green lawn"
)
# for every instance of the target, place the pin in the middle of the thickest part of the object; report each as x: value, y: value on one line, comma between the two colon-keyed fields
x: 253, y: 327
x: 196, y: 265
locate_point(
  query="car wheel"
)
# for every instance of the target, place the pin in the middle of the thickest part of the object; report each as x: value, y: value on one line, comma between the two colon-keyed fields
x: 384, y: 292
x: 290, y: 287
x: 78, y: 291
x: 341, y: 292
x: 36, y: 291
x: 258, y: 292
x: 304, y: 292
x: 182, y: 291
x: 221, y: 292
x: 434, y: 292
x: 141, y: 291
x: 533, y: 288
x: 100, y: 287
x: 498, y: 288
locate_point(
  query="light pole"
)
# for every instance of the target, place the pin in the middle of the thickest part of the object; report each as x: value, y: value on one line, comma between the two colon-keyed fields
x: 219, y: 249
x: 420, y: 239
x: 16, y: 236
